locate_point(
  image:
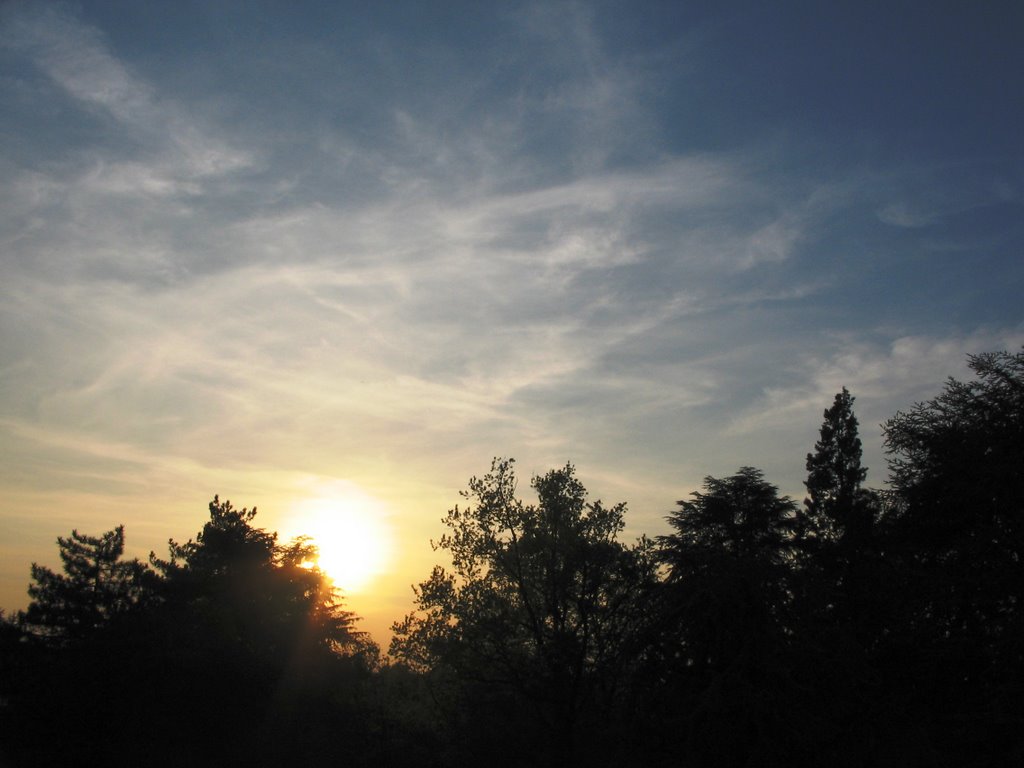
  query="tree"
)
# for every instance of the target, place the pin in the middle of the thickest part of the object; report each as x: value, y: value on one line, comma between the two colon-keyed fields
x: 96, y: 587
x: 242, y: 595
x: 250, y: 650
x: 727, y: 692
x: 69, y: 674
x: 843, y: 575
x: 740, y: 517
x: 238, y: 643
x: 846, y: 592
x: 540, y: 610
x: 957, y: 470
x: 836, y: 506
x: 957, y: 461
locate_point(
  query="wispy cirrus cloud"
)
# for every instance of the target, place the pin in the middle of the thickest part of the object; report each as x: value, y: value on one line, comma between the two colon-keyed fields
x: 386, y: 252
x: 885, y: 375
x: 926, y: 196
x: 76, y: 58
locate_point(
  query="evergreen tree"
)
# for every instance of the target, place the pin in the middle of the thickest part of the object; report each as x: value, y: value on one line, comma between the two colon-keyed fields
x: 96, y: 587
x: 238, y: 594
x: 233, y: 641
x: 741, y: 517
x: 71, y: 671
x: 726, y: 691
x: 836, y: 507
x: 250, y: 651
x: 846, y: 592
x: 842, y: 570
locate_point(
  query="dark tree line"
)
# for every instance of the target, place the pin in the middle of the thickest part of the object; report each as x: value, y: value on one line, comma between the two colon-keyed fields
x: 861, y: 627
x: 229, y: 652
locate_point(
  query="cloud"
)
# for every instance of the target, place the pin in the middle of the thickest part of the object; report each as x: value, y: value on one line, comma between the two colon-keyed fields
x: 929, y: 195
x: 884, y: 375
x: 458, y: 300
x: 383, y: 253
x: 76, y: 58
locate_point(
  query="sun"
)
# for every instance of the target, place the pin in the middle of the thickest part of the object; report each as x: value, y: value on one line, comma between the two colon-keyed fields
x: 349, y: 530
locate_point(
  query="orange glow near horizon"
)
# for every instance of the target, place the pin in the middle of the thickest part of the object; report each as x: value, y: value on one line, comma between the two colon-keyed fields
x: 348, y: 528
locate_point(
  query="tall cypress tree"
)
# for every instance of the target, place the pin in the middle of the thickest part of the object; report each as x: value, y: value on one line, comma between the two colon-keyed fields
x: 835, y: 506
x: 844, y: 593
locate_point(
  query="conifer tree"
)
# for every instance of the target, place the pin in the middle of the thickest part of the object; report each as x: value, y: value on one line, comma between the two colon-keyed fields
x: 836, y: 507
x: 240, y: 588
x: 96, y: 586
x: 724, y: 674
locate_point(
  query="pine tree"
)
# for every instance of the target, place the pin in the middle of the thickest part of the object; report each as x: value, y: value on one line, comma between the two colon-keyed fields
x: 96, y: 586
x: 239, y: 588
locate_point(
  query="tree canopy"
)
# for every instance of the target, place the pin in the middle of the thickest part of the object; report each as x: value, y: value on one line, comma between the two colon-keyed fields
x: 233, y: 640
x: 836, y: 507
x: 236, y: 579
x: 96, y: 587
x: 541, y: 603
x: 957, y: 468
x: 723, y: 656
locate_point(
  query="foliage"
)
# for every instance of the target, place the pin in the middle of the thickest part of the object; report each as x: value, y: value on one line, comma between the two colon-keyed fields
x: 740, y: 517
x: 958, y: 460
x: 836, y: 506
x: 96, y: 587
x: 957, y: 467
x: 957, y: 464
x: 239, y: 592
x: 238, y: 644
x: 837, y: 532
x: 541, y: 607
x: 723, y: 661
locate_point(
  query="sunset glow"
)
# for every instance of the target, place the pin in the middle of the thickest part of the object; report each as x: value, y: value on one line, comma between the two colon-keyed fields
x: 348, y: 528
x: 329, y: 260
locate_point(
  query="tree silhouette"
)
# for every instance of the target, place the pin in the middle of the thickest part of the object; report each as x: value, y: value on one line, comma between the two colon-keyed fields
x: 728, y: 695
x: 842, y: 571
x: 846, y: 593
x: 754, y: 633
x: 836, y: 506
x: 956, y: 461
x: 740, y: 517
x: 253, y: 641
x: 70, y: 681
x: 236, y: 651
x: 957, y: 468
x: 263, y: 595
x: 96, y: 587
x: 538, y: 615
x: 247, y: 590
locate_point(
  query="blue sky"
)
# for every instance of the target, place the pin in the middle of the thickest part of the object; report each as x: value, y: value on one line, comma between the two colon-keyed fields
x: 275, y: 250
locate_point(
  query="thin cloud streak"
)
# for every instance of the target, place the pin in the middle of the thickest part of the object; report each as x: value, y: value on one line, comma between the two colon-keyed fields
x: 75, y: 57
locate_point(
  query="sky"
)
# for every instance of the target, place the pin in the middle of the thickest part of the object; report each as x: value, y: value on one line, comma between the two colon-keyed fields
x: 338, y: 256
